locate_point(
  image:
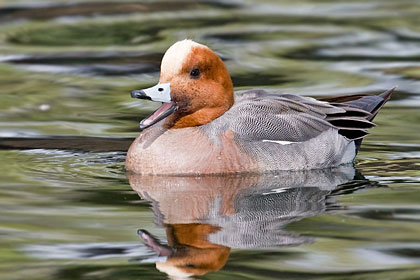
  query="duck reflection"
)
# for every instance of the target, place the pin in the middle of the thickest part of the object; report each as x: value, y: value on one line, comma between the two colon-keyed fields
x: 205, y: 217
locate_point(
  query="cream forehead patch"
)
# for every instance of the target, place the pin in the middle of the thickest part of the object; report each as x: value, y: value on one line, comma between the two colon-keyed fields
x: 175, y: 56
x: 172, y: 270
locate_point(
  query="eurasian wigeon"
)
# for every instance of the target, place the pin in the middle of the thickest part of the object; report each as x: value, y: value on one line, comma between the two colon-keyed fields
x: 201, y: 129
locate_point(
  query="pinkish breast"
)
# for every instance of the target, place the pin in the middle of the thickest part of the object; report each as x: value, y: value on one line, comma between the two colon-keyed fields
x: 187, y: 151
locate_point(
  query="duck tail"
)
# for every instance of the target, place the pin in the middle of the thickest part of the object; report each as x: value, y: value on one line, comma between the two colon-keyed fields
x: 373, y: 103
x: 369, y: 104
x: 376, y: 103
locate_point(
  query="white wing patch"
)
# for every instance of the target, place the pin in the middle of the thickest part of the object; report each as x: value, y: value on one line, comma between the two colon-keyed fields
x: 280, y: 142
x: 274, y: 191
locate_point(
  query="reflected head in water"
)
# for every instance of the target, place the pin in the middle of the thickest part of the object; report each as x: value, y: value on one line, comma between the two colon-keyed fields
x: 204, y: 217
x: 189, y: 252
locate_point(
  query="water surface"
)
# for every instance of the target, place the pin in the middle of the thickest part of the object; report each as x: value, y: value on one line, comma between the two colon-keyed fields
x: 68, y: 210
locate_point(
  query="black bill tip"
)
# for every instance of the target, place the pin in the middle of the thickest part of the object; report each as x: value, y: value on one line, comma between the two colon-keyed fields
x: 140, y: 94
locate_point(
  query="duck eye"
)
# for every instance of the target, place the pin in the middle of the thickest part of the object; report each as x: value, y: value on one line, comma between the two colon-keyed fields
x: 195, y: 73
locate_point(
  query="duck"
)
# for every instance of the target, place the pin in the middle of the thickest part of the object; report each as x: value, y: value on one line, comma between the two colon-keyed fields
x: 203, y: 128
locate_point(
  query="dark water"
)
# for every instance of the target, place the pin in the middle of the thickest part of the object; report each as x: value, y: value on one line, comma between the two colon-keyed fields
x: 68, y: 210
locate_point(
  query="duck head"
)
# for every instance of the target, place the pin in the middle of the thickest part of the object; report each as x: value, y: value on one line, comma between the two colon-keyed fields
x: 194, y: 87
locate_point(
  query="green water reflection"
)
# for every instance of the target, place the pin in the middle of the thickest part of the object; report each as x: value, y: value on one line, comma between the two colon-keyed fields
x: 66, y: 207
